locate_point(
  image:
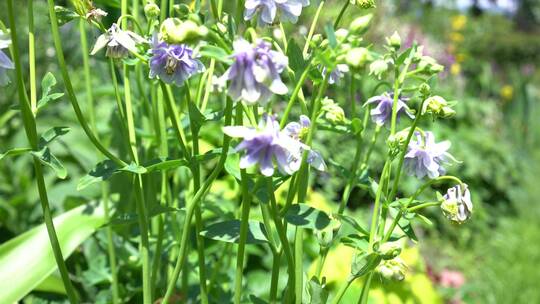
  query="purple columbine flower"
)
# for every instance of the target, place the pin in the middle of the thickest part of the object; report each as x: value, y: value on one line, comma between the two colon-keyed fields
x: 173, y: 63
x: 382, y: 113
x: 266, y: 144
x: 425, y: 157
x: 288, y: 10
x: 118, y: 42
x: 5, y: 62
x: 254, y: 74
x: 337, y: 73
x: 298, y: 131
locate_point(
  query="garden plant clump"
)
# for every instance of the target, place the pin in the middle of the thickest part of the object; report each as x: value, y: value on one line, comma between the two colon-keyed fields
x: 214, y: 149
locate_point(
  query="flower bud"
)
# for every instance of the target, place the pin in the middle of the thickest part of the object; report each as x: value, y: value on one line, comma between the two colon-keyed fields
x: 341, y: 34
x: 438, y: 106
x: 394, y: 40
x: 176, y: 31
x: 429, y: 65
x: 357, y: 57
x: 333, y: 112
x: 378, y: 67
x: 360, y: 24
x: 425, y: 89
x: 457, y: 205
x: 365, y: 4
x: 151, y: 10
x: 392, y: 269
x: 389, y: 251
x: 397, y: 141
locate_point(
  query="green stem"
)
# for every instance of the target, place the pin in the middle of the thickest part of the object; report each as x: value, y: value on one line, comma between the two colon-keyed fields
x: 322, y: 259
x: 343, y: 288
x: 171, y: 109
x: 424, y: 205
x: 343, y: 9
x: 32, y: 58
x: 364, y: 295
x: 110, y: 245
x: 352, y: 178
x: 69, y: 87
x: 190, y: 207
x: 30, y: 129
x: 294, y: 96
x: 376, y: 207
x: 312, y: 28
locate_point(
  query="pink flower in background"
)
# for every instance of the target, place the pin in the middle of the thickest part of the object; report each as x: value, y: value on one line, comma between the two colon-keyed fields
x: 451, y: 278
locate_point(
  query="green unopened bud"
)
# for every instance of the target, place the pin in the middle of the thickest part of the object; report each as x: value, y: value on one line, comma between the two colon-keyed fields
x: 360, y: 24
x: 397, y: 141
x: 181, y: 9
x: 378, y: 68
x: 365, y: 4
x: 429, y: 65
x: 341, y: 34
x: 389, y: 251
x: 333, y: 112
x: 316, y: 39
x: 151, y: 10
x: 175, y: 31
x: 392, y: 269
x: 425, y: 89
x: 394, y: 40
x: 438, y: 106
x: 357, y: 57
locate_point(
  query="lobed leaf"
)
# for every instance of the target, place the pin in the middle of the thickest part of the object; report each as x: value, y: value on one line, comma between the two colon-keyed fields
x: 229, y: 231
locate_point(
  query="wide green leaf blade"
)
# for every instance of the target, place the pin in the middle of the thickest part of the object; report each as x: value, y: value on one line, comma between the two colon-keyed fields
x: 307, y: 217
x: 27, y: 260
x: 229, y: 231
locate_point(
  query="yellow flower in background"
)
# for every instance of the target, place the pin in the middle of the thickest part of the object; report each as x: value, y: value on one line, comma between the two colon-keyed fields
x: 456, y: 37
x: 455, y: 69
x: 507, y: 92
x: 458, y: 22
x: 460, y: 57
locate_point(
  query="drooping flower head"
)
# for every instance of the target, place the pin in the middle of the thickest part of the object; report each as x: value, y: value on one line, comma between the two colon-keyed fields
x: 457, y: 205
x: 382, y: 113
x: 118, y: 42
x: 173, y: 63
x: 298, y: 131
x: 425, y: 157
x: 5, y: 62
x: 285, y: 10
x: 254, y: 75
x: 337, y: 73
x: 265, y: 145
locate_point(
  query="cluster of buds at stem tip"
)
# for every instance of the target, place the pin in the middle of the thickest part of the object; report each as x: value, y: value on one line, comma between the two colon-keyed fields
x: 151, y: 10
x: 176, y: 31
x: 389, y: 250
x: 437, y: 106
x: 456, y: 204
x: 365, y: 4
x: 394, y: 41
x: 358, y: 57
x: 393, y: 269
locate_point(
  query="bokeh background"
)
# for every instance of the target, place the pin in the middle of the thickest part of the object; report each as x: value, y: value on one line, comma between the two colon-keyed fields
x: 491, y: 54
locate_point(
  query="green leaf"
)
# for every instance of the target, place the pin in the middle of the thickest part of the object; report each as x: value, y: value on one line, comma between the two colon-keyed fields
x: 197, y: 119
x: 52, y: 283
x: 27, y: 260
x: 331, y: 35
x: 164, y: 164
x: 47, y: 83
x: 51, y: 134
x: 216, y: 53
x: 103, y: 171
x: 296, y: 58
x: 364, y: 263
x: 133, y: 168
x: 64, y: 15
x: 47, y: 158
x: 229, y: 231
x: 359, y: 242
x: 132, y: 218
x: 407, y: 228
x: 317, y: 294
x: 307, y: 217
x: 14, y: 152
x: 232, y: 165
x: 351, y: 221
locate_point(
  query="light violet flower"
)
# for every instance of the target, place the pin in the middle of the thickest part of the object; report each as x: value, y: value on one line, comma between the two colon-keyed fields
x: 285, y: 10
x: 118, y: 42
x: 425, y: 157
x: 254, y: 75
x: 457, y: 205
x: 173, y: 63
x: 5, y: 62
x: 266, y: 144
x: 382, y: 113
x: 298, y: 131
x: 337, y: 73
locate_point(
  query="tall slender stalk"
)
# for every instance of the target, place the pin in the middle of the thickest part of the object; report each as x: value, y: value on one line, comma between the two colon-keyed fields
x: 31, y: 132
